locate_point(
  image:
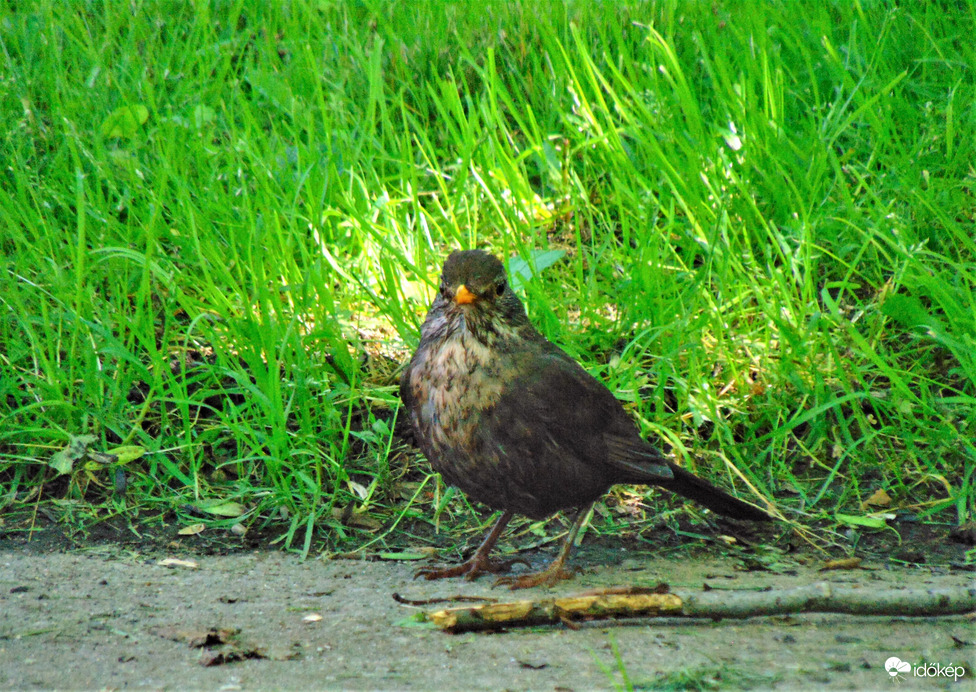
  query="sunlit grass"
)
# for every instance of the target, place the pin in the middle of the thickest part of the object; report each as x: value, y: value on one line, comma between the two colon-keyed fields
x: 221, y: 228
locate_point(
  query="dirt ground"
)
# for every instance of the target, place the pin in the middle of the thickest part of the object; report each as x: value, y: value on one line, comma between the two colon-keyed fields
x: 112, y: 616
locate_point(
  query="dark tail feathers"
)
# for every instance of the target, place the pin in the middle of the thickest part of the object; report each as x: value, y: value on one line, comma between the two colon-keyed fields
x: 704, y: 493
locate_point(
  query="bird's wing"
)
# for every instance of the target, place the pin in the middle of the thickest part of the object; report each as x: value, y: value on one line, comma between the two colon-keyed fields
x: 583, y: 416
x: 578, y: 413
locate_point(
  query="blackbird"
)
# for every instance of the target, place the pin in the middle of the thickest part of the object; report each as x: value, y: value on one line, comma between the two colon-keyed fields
x: 514, y: 422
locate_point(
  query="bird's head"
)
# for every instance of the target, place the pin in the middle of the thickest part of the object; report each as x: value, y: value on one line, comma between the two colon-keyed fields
x: 474, y: 286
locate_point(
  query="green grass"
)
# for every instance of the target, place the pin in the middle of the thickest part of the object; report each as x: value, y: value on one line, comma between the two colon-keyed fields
x: 221, y: 227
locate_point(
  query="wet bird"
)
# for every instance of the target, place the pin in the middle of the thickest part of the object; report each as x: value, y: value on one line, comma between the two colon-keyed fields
x: 515, y: 423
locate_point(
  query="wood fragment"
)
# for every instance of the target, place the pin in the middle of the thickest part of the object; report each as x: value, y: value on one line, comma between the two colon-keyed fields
x: 447, y: 599
x: 843, y: 563
x: 551, y: 610
x: 820, y: 597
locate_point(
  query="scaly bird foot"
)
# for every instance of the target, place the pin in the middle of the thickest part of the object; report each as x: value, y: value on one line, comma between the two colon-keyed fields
x: 469, y: 569
x: 551, y: 576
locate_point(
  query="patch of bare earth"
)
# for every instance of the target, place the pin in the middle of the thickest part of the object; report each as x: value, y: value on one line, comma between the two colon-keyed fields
x: 111, y: 616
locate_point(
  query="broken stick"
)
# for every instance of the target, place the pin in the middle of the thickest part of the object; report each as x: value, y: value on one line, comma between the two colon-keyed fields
x: 820, y: 597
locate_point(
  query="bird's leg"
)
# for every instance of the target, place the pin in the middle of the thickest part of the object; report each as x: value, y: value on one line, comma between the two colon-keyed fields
x: 477, y: 564
x: 556, y: 571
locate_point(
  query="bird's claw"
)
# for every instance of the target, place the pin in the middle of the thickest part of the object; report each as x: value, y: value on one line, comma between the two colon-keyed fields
x: 548, y: 577
x: 470, y: 569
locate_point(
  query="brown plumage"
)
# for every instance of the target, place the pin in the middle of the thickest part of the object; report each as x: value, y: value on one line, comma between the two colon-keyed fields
x: 515, y: 423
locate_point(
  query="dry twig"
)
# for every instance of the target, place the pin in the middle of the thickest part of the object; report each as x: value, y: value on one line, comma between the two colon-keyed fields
x: 820, y: 597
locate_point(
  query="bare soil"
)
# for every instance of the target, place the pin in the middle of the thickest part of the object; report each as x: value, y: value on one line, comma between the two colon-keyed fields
x: 108, y: 615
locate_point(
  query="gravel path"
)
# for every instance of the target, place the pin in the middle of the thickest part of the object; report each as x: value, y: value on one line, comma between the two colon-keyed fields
x: 104, y: 618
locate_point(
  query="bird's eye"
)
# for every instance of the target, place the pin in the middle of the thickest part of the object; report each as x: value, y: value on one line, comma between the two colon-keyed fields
x: 500, y: 288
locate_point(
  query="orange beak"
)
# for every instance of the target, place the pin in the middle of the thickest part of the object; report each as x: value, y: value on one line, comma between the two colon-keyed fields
x: 463, y: 296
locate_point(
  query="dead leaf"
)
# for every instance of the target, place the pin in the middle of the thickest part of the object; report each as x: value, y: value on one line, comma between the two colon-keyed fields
x: 192, y: 529
x: 197, y: 638
x: 76, y: 448
x: 878, y: 499
x: 208, y: 639
x: 358, y: 489
x: 174, y: 562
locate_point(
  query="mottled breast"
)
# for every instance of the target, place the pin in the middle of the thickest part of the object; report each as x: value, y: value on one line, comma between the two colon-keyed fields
x: 452, y: 379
